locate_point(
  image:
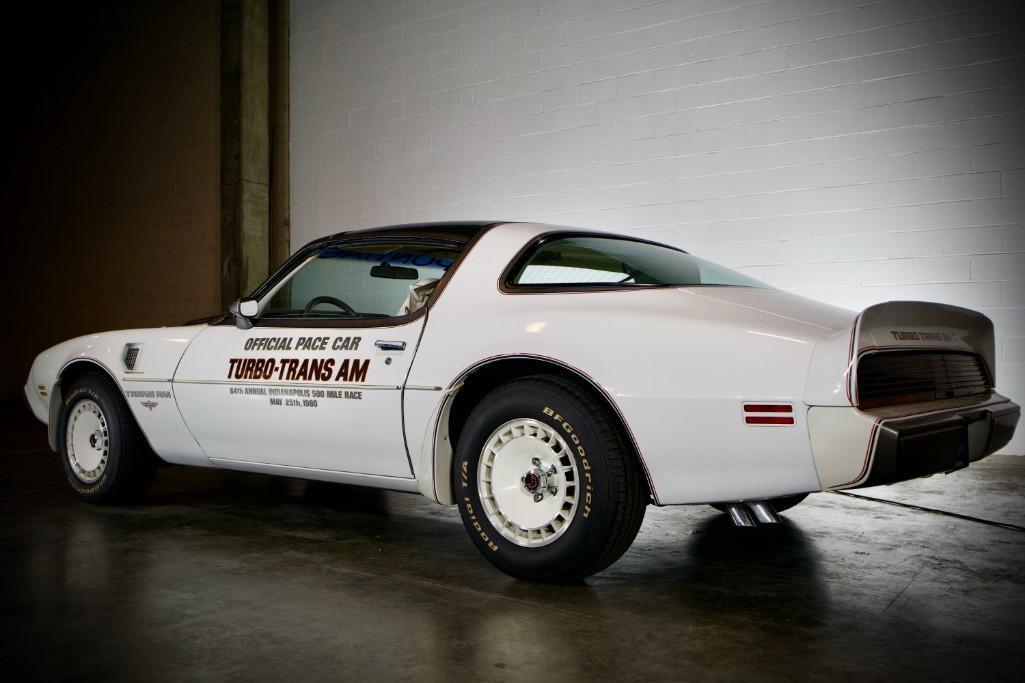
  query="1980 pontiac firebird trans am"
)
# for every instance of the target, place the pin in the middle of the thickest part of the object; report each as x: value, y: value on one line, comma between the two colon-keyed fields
x: 549, y: 382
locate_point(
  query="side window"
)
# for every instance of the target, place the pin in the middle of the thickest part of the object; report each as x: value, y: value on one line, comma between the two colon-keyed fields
x: 381, y: 280
x: 585, y: 261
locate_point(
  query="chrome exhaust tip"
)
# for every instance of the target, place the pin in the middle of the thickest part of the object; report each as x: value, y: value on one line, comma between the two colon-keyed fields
x: 764, y: 513
x: 739, y: 515
x: 752, y: 514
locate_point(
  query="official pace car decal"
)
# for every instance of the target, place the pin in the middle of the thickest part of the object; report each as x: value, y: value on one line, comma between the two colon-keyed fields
x: 289, y: 369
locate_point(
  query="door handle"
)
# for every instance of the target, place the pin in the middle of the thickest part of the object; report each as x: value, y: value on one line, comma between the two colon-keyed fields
x: 390, y: 345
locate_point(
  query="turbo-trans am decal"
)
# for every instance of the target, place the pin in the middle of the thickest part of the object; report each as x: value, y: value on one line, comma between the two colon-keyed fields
x: 285, y: 369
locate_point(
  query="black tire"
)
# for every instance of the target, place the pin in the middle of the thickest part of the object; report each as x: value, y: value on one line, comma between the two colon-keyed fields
x: 602, y: 526
x: 130, y: 463
x: 778, y: 504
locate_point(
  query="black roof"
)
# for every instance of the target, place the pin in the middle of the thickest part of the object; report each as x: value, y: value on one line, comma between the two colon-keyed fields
x: 456, y: 231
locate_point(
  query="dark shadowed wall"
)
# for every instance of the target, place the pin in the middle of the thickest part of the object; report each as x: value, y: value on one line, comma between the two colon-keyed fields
x: 113, y: 197
x: 114, y: 204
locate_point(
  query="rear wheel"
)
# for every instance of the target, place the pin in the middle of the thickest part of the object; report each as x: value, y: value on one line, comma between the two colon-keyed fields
x: 546, y: 484
x: 106, y: 458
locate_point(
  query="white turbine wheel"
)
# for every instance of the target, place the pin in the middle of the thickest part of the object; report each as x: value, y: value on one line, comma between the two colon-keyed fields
x: 87, y: 441
x: 528, y: 482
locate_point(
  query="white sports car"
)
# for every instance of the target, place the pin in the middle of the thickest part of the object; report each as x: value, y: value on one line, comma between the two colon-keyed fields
x: 551, y: 382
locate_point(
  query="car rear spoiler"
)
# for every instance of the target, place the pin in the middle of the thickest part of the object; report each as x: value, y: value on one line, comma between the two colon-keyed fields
x: 922, y: 325
x: 910, y: 325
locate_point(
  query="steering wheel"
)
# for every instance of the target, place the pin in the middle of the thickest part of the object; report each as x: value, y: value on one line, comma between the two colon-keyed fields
x: 346, y: 308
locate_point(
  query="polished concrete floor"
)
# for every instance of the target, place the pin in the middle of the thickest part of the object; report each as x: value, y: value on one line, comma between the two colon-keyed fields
x: 225, y: 576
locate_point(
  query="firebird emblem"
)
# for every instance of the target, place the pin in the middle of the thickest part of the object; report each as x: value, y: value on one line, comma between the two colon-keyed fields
x: 150, y: 405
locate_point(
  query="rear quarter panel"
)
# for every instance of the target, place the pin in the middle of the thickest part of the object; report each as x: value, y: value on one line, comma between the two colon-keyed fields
x: 677, y: 363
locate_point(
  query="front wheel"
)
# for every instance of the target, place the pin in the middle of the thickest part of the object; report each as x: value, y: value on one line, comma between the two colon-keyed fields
x: 546, y: 484
x: 106, y: 458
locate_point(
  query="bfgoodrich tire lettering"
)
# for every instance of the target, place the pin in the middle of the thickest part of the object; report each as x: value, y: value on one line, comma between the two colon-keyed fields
x: 605, y: 481
x: 128, y: 467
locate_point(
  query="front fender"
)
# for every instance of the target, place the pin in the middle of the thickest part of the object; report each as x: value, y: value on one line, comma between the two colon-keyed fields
x: 146, y: 383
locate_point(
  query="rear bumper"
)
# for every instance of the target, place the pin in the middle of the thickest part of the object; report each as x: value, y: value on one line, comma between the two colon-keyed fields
x: 942, y: 441
x: 854, y: 448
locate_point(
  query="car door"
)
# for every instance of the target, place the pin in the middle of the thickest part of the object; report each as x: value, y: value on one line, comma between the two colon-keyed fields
x: 316, y: 382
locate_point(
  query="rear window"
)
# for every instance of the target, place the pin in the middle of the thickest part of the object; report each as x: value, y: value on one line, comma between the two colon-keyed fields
x: 582, y: 262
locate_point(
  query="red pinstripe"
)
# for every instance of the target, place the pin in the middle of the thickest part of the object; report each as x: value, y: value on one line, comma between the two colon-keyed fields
x: 868, y: 454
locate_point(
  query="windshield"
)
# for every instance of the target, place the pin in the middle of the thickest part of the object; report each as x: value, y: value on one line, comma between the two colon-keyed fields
x: 368, y: 280
x: 609, y: 261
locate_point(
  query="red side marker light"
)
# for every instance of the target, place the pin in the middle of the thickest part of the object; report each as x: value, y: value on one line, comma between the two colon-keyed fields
x: 778, y: 414
x: 768, y: 420
x: 768, y: 408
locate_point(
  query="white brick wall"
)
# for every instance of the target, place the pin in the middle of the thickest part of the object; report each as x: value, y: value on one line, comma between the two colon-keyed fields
x: 852, y: 151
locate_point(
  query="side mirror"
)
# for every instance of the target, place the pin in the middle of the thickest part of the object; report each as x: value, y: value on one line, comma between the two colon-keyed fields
x: 248, y: 307
x: 244, y: 310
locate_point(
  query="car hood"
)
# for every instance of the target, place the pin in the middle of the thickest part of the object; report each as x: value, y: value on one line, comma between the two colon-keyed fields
x: 160, y: 350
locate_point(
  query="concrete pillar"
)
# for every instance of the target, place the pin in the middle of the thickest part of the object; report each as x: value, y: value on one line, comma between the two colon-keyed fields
x: 280, y: 222
x: 245, y: 147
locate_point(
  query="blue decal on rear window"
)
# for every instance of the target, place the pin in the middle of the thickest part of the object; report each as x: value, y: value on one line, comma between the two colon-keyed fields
x: 393, y: 257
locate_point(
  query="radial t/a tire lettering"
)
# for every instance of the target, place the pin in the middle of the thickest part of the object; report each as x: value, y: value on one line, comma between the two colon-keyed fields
x: 546, y: 484
x: 105, y: 456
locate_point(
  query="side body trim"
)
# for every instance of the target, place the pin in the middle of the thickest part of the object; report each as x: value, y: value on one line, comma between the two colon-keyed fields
x: 373, y: 480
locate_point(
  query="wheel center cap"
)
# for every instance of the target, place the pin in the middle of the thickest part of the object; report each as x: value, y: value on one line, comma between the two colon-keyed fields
x: 93, y: 439
x: 532, y: 481
x: 539, y: 480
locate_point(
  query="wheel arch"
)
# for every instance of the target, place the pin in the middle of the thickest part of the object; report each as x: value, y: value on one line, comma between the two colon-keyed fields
x: 70, y: 373
x: 475, y: 381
